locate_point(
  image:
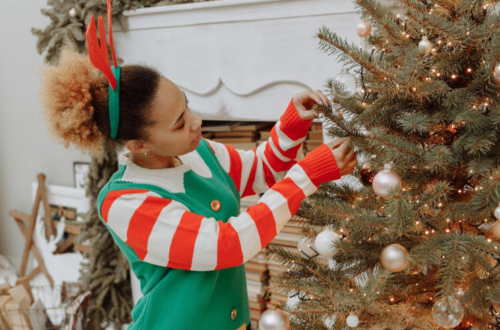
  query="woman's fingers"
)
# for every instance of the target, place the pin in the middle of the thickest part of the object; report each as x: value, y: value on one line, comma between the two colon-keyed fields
x: 326, y: 101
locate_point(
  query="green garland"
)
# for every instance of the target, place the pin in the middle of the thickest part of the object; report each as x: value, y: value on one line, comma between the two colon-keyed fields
x: 70, y: 29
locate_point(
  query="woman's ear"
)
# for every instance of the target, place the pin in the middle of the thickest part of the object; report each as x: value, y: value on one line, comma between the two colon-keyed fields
x: 136, y: 146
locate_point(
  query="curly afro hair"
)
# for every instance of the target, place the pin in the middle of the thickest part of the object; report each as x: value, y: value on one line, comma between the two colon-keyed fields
x: 75, y: 97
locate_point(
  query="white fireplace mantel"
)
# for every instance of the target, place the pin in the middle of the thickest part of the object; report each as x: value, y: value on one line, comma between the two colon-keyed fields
x: 238, y: 59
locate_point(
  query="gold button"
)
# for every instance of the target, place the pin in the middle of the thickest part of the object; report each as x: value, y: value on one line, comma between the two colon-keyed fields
x: 233, y: 313
x: 215, y: 205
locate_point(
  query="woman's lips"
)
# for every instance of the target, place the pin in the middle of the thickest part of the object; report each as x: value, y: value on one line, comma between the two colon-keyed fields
x: 198, y: 138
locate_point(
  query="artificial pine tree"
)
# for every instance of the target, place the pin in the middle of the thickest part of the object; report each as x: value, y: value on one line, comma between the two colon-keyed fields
x: 415, y: 246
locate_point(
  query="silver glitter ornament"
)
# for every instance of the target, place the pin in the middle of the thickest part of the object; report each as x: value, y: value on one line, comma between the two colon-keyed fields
x: 274, y: 320
x: 364, y: 29
x: 325, y: 242
x: 348, y: 83
x: 385, y: 181
x: 72, y: 12
x: 394, y: 258
x: 424, y: 46
x: 447, y: 312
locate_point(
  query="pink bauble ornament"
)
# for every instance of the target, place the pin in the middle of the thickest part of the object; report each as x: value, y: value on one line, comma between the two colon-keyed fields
x: 385, y: 181
x: 364, y: 29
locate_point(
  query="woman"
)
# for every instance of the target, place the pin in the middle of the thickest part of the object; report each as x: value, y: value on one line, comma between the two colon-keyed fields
x: 173, y: 206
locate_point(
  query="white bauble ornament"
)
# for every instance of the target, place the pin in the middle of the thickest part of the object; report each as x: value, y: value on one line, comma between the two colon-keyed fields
x: 364, y: 29
x: 324, y: 242
x: 352, y: 321
x: 274, y: 320
x: 394, y: 257
x: 496, y: 75
x: 302, y: 245
x: 447, y: 312
x: 348, y: 82
x: 424, y: 46
x: 72, y: 12
x: 497, y: 212
x: 385, y: 181
x: 495, y: 229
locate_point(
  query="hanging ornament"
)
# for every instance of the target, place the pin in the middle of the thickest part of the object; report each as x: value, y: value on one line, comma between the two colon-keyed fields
x: 394, y: 258
x: 495, y: 229
x: 302, y: 245
x: 366, y: 173
x: 497, y: 212
x: 385, y: 181
x: 340, y: 116
x: 348, y: 83
x: 483, y: 273
x: 324, y: 242
x: 72, y: 12
x: 496, y: 75
x: 352, y: 321
x: 424, y: 46
x: 274, y: 320
x: 447, y: 312
x: 364, y: 29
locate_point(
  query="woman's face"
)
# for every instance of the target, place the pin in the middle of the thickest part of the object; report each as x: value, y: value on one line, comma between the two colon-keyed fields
x: 175, y: 129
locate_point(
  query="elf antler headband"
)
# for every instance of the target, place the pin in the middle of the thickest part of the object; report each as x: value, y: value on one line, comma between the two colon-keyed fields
x: 100, y: 60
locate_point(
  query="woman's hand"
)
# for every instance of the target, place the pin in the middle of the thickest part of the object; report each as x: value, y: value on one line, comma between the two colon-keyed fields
x: 343, y: 151
x: 304, y: 102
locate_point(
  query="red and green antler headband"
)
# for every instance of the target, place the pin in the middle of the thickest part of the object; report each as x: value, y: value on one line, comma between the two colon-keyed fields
x: 99, y: 58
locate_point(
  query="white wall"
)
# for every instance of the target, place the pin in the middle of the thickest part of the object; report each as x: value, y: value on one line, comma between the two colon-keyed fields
x: 26, y: 148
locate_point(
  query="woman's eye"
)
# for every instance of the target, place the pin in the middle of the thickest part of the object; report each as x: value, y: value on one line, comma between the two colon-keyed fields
x: 182, y: 125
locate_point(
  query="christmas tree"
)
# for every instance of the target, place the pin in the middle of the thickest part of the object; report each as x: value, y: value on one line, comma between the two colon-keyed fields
x: 413, y: 238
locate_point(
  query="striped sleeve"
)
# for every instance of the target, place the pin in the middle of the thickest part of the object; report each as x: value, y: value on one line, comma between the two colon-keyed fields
x: 254, y: 171
x: 166, y: 233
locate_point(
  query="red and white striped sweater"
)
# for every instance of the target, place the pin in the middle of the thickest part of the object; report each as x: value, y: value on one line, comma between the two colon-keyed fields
x: 166, y: 232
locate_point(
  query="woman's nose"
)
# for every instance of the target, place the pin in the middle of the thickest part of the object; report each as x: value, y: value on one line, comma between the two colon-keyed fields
x: 196, y: 125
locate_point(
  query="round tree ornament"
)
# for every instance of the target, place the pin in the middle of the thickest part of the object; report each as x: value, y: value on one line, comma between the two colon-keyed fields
x: 348, y: 84
x: 274, y: 320
x: 325, y: 241
x: 364, y: 29
x: 385, y: 181
x: 394, y: 258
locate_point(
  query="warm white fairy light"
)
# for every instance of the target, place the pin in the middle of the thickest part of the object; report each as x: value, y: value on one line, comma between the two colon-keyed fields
x: 453, y: 76
x: 469, y: 70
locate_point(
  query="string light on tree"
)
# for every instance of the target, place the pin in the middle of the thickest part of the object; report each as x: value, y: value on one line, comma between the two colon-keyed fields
x: 385, y: 181
x: 447, y: 312
x: 325, y: 242
x: 364, y: 29
x: 72, y: 12
x: 394, y: 258
x: 274, y: 319
x: 303, y: 245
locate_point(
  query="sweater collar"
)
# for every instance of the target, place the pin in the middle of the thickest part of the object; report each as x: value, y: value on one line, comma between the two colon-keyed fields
x: 184, y: 167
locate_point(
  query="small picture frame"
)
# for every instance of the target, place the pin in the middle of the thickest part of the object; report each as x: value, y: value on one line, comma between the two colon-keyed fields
x: 80, y: 174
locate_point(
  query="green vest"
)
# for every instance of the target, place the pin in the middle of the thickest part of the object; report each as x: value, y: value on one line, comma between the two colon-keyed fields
x: 177, y: 299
